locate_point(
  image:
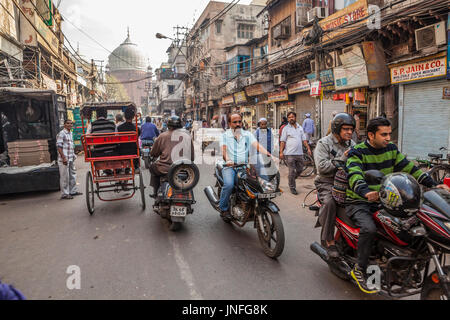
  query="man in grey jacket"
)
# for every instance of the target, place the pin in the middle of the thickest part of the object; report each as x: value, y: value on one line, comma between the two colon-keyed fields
x: 335, y: 146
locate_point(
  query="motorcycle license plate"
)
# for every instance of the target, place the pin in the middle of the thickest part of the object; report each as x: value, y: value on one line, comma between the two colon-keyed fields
x: 178, y: 211
x: 269, y: 195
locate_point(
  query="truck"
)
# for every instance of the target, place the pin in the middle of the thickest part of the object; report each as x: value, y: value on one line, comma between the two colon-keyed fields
x: 30, y: 121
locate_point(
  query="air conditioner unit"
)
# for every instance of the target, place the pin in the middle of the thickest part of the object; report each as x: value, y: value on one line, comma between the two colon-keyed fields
x: 278, y: 79
x: 319, y: 12
x: 332, y: 60
x: 352, y: 55
x: 431, y: 36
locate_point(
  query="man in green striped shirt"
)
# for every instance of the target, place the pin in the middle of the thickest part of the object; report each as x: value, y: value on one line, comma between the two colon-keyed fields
x: 377, y: 153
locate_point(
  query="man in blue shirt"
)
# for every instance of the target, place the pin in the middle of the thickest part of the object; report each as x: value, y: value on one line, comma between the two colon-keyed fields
x: 149, y: 131
x: 308, y: 127
x: 236, y: 144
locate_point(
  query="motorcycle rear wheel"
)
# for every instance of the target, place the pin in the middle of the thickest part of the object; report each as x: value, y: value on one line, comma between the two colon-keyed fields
x: 175, y: 226
x: 273, y: 246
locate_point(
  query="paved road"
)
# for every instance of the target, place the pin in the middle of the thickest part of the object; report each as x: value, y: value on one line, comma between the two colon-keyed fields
x: 125, y: 253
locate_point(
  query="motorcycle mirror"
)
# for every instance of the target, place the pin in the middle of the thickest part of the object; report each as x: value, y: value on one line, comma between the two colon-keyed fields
x: 373, y: 177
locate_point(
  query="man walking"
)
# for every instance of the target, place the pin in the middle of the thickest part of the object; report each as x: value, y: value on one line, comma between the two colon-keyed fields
x: 291, y: 149
x: 309, y: 127
x: 66, y: 159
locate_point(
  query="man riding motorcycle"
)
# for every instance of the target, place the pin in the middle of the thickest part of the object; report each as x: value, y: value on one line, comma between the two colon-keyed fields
x: 335, y: 146
x: 377, y: 153
x: 236, y: 144
x: 167, y: 147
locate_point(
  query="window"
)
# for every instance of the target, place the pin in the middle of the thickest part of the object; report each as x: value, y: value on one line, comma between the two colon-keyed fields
x: 219, y: 26
x: 171, y: 89
x: 245, y: 31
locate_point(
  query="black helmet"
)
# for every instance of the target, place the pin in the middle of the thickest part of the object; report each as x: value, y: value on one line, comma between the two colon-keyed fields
x: 174, y: 122
x: 342, y: 119
x: 400, y: 194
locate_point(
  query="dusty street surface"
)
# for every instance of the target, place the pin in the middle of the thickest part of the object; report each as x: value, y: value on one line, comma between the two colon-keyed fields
x: 126, y: 253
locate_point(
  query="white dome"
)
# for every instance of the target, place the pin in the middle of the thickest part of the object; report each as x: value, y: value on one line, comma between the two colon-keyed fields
x: 127, y: 57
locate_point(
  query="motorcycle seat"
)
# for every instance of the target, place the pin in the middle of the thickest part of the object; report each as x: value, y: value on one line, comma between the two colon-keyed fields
x: 342, y: 215
x: 435, y: 156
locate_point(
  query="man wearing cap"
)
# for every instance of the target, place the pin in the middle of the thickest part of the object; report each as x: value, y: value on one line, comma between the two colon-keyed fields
x: 264, y: 135
x: 309, y: 128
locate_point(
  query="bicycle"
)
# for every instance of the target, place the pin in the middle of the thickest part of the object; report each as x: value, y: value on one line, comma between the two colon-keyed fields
x: 438, y: 167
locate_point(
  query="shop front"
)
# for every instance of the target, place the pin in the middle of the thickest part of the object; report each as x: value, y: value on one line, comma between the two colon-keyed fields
x: 424, y: 112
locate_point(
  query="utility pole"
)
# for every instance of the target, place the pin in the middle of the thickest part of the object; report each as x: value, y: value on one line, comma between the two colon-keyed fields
x: 93, y: 98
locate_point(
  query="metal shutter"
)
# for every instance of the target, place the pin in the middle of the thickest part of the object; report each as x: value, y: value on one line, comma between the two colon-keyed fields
x: 329, y: 106
x: 426, y: 119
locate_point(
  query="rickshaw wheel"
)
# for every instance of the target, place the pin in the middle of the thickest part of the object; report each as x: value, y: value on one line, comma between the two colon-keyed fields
x: 90, y: 193
x: 142, y: 188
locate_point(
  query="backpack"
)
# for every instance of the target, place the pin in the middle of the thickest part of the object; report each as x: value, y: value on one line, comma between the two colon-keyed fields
x: 339, y: 190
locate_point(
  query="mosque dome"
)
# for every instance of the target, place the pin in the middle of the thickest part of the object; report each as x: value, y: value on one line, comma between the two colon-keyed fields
x: 127, y: 57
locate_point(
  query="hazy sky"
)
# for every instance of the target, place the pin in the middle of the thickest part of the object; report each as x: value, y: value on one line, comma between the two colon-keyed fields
x: 107, y: 20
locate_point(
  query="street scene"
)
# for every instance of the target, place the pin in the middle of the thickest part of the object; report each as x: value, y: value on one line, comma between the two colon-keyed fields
x: 244, y: 150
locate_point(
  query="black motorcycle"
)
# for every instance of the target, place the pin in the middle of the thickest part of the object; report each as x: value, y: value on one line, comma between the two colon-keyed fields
x: 175, y: 195
x: 251, y: 202
x: 146, y: 148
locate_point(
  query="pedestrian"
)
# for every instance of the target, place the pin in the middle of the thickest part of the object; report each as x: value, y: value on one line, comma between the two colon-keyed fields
x: 264, y: 135
x: 356, y: 134
x: 66, y: 162
x: 309, y: 127
x: 291, y: 149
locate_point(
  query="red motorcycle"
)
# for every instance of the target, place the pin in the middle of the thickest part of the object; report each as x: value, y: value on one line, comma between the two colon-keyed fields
x: 403, y: 248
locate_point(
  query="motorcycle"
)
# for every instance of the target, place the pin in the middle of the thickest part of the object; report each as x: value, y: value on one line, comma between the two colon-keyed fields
x: 146, y: 148
x: 251, y: 201
x: 403, y: 247
x: 175, y: 195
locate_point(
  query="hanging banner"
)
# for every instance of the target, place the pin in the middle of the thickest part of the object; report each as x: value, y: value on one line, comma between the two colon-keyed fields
x: 278, y: 96
x: 240, y: 97
x: 425, y: 68
x: 301, y: 86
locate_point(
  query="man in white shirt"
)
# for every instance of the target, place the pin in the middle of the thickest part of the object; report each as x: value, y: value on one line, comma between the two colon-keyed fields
x: 292, y: 140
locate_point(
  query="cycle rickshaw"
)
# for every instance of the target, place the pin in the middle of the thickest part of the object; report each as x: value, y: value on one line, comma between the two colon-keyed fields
x: 114, y: 173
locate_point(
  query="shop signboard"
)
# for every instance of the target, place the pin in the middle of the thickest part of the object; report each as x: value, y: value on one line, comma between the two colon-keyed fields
x: 351, y: 77
x: 326, y: 78
x: 228, y: 100
x: 301, y: 86
x: 337, y: 21
x: 316, y: 89
x: 240, y: 97
x: 278, y: 96
x: 255, y: 90
x: 420, y: 69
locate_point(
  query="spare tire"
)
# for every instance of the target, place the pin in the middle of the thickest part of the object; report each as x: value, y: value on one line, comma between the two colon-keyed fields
x: 183, y: 175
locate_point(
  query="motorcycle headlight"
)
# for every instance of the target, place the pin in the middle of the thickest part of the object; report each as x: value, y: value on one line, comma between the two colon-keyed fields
x: 268, y: 187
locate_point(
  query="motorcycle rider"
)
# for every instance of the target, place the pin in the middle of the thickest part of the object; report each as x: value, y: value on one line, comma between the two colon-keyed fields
x: 149, y: 132
x: 335, y: 146
x: 236, y: 144
x: 167, y: 147
x: 376, y: 153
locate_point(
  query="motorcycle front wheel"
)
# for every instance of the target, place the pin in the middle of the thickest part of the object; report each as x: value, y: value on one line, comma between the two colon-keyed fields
x: 432, y: 290
x: 271, y: 233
